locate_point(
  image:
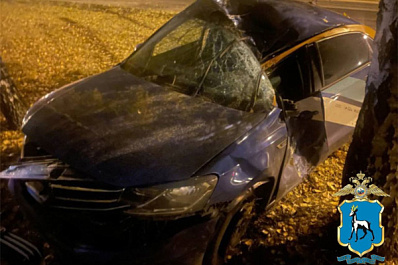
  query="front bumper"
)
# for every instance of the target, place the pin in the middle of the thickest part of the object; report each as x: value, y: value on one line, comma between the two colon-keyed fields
x: 82, y: 237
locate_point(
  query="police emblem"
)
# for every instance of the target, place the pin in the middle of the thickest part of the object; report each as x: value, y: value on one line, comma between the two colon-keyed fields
x: 360, y: 219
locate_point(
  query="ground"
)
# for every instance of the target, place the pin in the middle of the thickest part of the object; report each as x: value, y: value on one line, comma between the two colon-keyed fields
x: 46, y: 45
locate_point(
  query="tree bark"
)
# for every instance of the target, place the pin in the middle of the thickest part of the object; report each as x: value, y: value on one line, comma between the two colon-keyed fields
x: 12, y: 106
x: 374, y: 148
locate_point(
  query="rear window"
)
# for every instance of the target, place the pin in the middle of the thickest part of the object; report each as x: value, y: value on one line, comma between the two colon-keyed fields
x: 343, y: 54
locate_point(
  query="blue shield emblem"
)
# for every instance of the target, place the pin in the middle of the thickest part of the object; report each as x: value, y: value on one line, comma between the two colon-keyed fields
x: 360, y: 225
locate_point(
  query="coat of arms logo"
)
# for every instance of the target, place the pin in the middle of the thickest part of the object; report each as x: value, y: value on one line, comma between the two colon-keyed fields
x: 360, y: 220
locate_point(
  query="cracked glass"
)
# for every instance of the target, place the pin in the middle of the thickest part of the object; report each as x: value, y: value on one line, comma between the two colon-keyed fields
x: 206, y: 58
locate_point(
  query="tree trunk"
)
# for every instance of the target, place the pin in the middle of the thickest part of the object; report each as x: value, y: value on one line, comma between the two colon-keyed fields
x: 374, y: 148
x: 12, y: 105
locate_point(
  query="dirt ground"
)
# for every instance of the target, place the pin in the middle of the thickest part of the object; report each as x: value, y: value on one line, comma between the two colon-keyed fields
x: 48, y: 44
x: 173, y: 5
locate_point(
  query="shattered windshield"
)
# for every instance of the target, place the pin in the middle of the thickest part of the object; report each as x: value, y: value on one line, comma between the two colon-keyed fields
x: 204, y: 57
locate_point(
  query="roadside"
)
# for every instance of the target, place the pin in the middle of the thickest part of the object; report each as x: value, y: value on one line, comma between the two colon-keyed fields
x: 364, y: 11
x: 172, y: 5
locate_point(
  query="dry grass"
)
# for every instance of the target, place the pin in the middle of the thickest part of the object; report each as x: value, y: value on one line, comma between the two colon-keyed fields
x: 46, y: 45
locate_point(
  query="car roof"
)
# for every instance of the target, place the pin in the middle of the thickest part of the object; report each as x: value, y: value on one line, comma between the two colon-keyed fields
x: 276, y: 25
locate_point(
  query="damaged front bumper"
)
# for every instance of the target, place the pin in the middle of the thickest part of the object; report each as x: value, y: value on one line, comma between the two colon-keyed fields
x: 18, y: 250
x: 87, y: 223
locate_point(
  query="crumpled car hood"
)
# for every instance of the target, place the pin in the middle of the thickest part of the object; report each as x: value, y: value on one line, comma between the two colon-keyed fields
x: 125, y: 131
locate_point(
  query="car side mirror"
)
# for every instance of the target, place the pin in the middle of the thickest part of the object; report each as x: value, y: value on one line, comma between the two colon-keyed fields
x: 290, y: 108
x: 289, y: 105
x: 307, y: 115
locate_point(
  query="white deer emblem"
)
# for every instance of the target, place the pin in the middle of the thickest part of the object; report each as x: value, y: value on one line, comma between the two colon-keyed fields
x: 356, y: 224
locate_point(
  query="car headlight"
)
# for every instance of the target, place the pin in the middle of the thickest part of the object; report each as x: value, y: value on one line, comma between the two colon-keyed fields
x: 180, y: 197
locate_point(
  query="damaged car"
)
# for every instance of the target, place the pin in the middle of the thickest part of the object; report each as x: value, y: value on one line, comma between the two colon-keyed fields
x: 164, y: 158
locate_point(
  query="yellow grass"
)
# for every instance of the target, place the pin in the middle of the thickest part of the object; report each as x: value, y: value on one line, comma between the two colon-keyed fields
x: 46, y: 45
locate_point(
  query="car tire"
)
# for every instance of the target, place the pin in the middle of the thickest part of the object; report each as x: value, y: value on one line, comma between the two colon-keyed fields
x: 230, y: 229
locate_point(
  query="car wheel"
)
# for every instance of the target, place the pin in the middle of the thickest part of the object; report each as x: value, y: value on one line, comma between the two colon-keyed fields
x: 231, y: 229
x: 238, y: 228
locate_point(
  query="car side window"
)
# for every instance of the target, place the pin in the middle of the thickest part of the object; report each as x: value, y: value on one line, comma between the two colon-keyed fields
x: 343, y: 54
x: 290, y: 77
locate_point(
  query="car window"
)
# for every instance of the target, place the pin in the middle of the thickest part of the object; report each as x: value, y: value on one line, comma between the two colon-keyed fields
x: 343, y: 54
x: 233, y: 77
x: 184, y: 34
x: 202, y: 57
x: 265, y: 95
x: 290, y: 77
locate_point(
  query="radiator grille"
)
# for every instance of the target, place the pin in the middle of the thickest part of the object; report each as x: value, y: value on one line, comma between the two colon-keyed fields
x: 73, y: 194
x: 53, y: 183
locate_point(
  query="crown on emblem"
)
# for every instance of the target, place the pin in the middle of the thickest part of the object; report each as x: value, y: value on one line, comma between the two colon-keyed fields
x: 360, y: 175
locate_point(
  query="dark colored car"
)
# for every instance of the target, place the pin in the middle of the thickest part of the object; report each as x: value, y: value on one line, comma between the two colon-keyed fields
x: 161, y: 159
